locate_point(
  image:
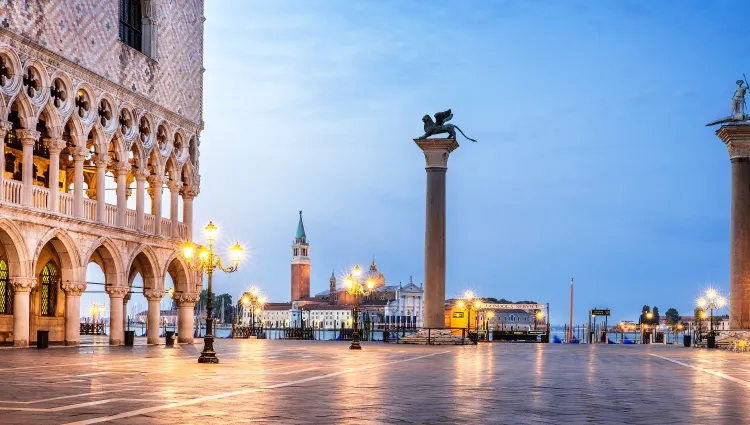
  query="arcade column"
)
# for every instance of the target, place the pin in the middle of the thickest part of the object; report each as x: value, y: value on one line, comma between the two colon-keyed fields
x: 436, y: 153
x: 737, y: 139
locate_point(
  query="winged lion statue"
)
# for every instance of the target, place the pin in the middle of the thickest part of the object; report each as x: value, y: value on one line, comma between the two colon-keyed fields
x: 439, y: 126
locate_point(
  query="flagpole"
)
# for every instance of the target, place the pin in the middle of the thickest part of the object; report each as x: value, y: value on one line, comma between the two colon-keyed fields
x: 570, y: 326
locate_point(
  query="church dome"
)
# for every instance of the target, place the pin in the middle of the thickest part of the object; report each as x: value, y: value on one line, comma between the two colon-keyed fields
x: 374, y: 275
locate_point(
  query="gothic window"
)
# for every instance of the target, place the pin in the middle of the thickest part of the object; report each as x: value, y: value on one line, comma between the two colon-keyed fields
x: 49, y: 278
x: 130, y: 23
x: 6, y: 294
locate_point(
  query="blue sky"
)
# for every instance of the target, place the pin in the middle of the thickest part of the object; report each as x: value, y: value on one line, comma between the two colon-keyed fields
x: 593, y: 160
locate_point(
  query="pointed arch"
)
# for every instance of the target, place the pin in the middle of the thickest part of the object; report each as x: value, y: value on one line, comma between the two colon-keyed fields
x: 53, y: 121
x: 173, y: 169
x: 188, y: 175
x: 76, y: 130
x: 25, y: 111
x: 15, y: 249
x: 178, y: 270
x: 105, y: 254
x: 63, y: 245
x: 144, y: 261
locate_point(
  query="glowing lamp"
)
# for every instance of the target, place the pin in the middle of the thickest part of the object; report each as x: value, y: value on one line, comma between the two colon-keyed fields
x: 262, y: 300
x: 257, y: 310
x: 711, y: 293
x: 235, y: 252
x: 649, y: 315
x: 203, y: 255
x: 357, y: 271
x: 254, y: 291
x: 211, y: 231
x: 370, y: 284
x: 468, y: 295
x: 348, y: 282
x: 721, y: 302
x: 477, y: 304
x: 187, y: 250
x: 702, y: 302
x: 245, y: 300
x: 460, y: 304
x: 491, y: 314
x: 539, y: 315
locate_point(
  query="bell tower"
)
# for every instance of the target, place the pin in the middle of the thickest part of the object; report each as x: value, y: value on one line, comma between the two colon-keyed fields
x: 332, y: 289
x: 300, y: 263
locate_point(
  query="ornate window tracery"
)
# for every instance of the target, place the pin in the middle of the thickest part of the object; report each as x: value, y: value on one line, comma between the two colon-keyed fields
x: 49, y: 278
x: 6, y: 292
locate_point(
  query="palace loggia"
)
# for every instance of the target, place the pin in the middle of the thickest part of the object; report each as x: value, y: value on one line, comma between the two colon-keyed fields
x: 100, y: 117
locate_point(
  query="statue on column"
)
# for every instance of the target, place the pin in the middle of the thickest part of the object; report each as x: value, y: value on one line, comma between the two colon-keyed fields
x: 738, y: 105
x: 439, y: 126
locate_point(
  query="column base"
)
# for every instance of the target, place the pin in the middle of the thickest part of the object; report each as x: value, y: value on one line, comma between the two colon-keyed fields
x: 72, y: 343
x: 21, y: 343
x: 113, y: 341
x: 187, y: 340
x: 155, y: 341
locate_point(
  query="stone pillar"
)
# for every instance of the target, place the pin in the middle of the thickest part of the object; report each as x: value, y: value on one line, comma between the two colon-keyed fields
x: 122, y: 170
x: 154, y: 297
x: 155, y: 189
x: 174, y: 193
x: 188, y: 194
x: 55, y: 147
x: 140, y: 197
x: 737, y: 140
x: 21, y: 289
x: 5, y: 127
x: 79, y: 154
x: 185, y: 308
x: 116, y: 330
x: 73, y: 291
x: 28, y: 139
x: 436, y: 152
x: 101, y: 162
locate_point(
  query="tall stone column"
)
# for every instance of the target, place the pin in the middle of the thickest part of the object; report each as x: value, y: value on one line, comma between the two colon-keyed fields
x: 21, y: 289
x: 185, y: 317
x: 116, y: 329
x: 122, y: 169
x: 174, y: 193
x: 101, y: 162
x: 155, y: 183
x: 436, y: 152
x: 28, y: 139
x: 188, y: 194
x: 55, y: 147
x: 737, y: 139
x: 154, y: 297
x: 5, y: 127
x: 79, y: 154
x: 140, y: 198
x: 73, y: 291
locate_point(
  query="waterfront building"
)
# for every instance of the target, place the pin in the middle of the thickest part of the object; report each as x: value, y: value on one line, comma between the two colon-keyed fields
x: 97, y: 95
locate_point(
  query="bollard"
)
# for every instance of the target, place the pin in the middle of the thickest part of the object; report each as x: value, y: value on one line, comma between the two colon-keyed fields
x: 42, y: 339
x: 170, y: 339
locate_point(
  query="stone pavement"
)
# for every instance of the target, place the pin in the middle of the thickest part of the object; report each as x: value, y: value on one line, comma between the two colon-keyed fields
x: 301, y: 382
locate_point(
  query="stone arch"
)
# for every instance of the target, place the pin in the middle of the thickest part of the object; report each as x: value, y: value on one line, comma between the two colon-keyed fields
x: 65, y: 247
x: 74, y: 127
x: 12, y: 61
x: 106, y: 103
x: 65, y: 107
x: 178, y: 270
x: 41, y: 95
x: 146, y: 131
x: 188, y: 175
x: 138, y: 159
x: 85, y: 97
x: 19, y: 264
x: 117, y: 148
x: 25, y: 111
x: 180, y: 145
x: 164, y: 135
x: 144, y: 262
x: 52, y: 120
x: 105, y: 254
x: 173, y: 169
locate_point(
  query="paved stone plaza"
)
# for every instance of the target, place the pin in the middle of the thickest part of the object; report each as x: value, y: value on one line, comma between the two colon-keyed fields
x: 324, y: 382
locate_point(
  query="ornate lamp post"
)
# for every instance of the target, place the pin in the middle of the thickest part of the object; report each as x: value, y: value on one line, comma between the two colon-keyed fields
x: 712, y: 300
x: 477, y: 304
x: 207, y: 262
x: 355, y: 289
x: 539, y: 315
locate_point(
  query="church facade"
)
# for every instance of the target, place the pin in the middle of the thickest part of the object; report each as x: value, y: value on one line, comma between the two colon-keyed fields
x: 97, y: 95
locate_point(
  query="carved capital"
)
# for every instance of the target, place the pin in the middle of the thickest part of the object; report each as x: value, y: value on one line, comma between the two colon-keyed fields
x: 141, y: 174
x: 122, y: 168
x: 190, y: 192
x: 54, y: 146
x: 102, y: 160
x: 23, y: 284
x: 28, y: 137
x: 173, y: 185
x: 79, y: 153
x: 737, y: 139
x: 117, y: 291
x: 436, y: 151
x: 153, y: 294
x: 5, y: 127
x: 73, y: 288
x: 184, y: 298
x: 155, y: 180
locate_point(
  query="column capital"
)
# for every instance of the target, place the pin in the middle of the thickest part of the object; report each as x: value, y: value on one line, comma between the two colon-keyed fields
x: 73, y: 288
x: 436, y: 151
x: 155, y: 180
x: 141, y: 174
x: 736, y: 137
x: 173, y: 185
x: 185, y: 298
x: 28, y: 137
x: 54, y: 145
x: 189, y: 192
x: 102, y: 160
x: 153, y: 294
x: 79, y: 153
x: 23, y: 284
x: 5, y: 127
x: 117, y: 291
x: 122, y: 168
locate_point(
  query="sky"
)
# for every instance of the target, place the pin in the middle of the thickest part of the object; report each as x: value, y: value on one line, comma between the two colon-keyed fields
x: 593, y: 158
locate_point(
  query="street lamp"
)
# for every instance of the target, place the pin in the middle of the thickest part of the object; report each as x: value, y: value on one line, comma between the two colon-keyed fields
x: 207, y: 262
x: 355, y: 289
x: 477, y: 304
x: 712, y: 300
x: 538, y: 316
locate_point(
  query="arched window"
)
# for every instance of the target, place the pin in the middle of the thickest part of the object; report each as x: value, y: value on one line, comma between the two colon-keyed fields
x: 49, y: 278
x: 6, y: 294
x: 130, y: 23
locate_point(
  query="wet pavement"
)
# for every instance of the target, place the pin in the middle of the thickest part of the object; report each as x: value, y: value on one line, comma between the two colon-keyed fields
x: 302, y: 382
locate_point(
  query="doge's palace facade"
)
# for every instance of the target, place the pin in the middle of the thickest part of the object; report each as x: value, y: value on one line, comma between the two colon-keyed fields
x: 97, y: 93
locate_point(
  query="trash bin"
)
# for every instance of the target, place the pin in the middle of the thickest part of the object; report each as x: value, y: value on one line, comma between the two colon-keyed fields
x: 129, y: 338
x: 711, y: 341
x: 687, y: 340
x: 170, y: 338
x: 42, y: 339
x: 385, y: 336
